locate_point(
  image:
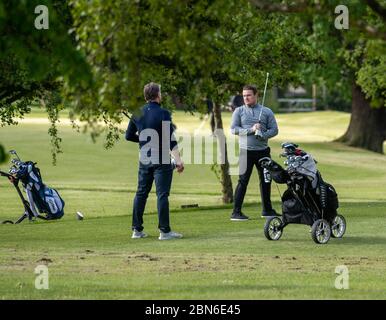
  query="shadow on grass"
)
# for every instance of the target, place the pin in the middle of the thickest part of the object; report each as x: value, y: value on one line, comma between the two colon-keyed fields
x: 348, y: 240
x: 362, y: 240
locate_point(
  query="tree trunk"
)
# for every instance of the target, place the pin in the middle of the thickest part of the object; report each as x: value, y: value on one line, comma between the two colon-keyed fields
x: 225, y: 178
x: 3, y: 155
x: 367, y: 128
x: 313, y: 97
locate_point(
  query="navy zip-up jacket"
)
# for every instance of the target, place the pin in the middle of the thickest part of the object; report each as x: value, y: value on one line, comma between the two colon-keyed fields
x: 154, y: 132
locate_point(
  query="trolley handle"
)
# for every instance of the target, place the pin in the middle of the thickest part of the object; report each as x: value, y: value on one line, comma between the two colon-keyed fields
x: 10, y: 177
x: 4, y: 174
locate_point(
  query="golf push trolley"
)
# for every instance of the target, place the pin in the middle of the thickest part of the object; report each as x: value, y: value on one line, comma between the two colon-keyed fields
x: 308, y: 199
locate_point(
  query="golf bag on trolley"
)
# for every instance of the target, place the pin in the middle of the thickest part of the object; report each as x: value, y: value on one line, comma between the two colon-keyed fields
x: 308, y: 199
x: 41, y: 198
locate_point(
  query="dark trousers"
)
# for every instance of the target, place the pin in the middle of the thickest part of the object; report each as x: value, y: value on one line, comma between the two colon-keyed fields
x: 247, y: 160
x: 162, y: 175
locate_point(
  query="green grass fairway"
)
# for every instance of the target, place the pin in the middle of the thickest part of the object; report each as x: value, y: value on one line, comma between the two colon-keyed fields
x: 217, y: 259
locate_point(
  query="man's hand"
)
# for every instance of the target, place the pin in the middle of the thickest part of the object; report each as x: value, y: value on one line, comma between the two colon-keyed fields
x: 180, y: 166
x: 177, y: 157
x: 257, y: 130
x: 256, y: 126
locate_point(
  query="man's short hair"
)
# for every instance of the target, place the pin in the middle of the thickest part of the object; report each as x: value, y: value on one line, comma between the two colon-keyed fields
x: 250, y: 87
x: 151, y: 91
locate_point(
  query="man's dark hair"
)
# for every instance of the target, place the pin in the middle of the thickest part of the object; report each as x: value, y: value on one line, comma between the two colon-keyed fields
x: 250, y: 87
x: 151, y: 91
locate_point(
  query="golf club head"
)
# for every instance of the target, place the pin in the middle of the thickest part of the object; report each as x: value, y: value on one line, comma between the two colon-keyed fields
x: 79, y: 215
x: 16, y: 162
x: 289, y: 149
x: 13, y: 152
x: 12, y: 170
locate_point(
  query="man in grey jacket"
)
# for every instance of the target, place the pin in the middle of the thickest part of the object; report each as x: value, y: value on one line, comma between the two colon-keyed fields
x: 254, y: 124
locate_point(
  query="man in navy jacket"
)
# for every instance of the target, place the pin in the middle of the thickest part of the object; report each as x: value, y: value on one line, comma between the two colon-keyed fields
x: 153, y: 131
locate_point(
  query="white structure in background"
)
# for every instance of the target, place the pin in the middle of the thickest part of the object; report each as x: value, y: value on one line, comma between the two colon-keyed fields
x: 295, y: 103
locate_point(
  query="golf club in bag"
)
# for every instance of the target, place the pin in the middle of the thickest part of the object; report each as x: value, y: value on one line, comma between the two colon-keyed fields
x: 308, y: 200
x: 43, y: 202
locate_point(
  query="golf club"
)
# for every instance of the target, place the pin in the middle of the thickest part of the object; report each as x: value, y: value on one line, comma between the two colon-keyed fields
x: 15, y: 154
x: 262, y: 104
x: 265, y: 90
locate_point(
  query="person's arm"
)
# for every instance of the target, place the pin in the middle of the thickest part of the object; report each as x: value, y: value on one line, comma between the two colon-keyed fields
x: 177, y: 157
x: 236, y: 128
x: 175, y: 153
x: 131, y: 132
x: 167, y: 117
x: 272, y: 128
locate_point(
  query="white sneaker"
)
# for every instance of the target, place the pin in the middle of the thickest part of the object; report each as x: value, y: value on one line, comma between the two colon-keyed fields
x: 169, y: 235
x: 138, y: 234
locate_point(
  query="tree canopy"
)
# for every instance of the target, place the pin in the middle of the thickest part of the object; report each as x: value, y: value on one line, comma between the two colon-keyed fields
x: 96, y: 56
x: 193, y: 48
x: 35, y: 64
x: 351, y: 60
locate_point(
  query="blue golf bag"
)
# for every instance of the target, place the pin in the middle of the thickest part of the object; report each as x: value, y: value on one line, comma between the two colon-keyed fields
x: 42, y: 199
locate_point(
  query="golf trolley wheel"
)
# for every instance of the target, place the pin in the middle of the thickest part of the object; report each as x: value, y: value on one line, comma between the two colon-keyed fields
x: 338, y: 227
x: 273, y: 228
x: 321, y: 231
x: 7, y: 221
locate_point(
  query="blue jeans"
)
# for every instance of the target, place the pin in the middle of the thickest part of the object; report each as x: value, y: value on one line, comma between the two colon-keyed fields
x: 162, y: 175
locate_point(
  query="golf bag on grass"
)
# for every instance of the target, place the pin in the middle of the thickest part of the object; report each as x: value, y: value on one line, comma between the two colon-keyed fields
x: 41, y: 198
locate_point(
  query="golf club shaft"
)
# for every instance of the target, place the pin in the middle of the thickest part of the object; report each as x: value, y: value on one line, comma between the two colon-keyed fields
x: 265, y: 90
x: 262, y: 104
